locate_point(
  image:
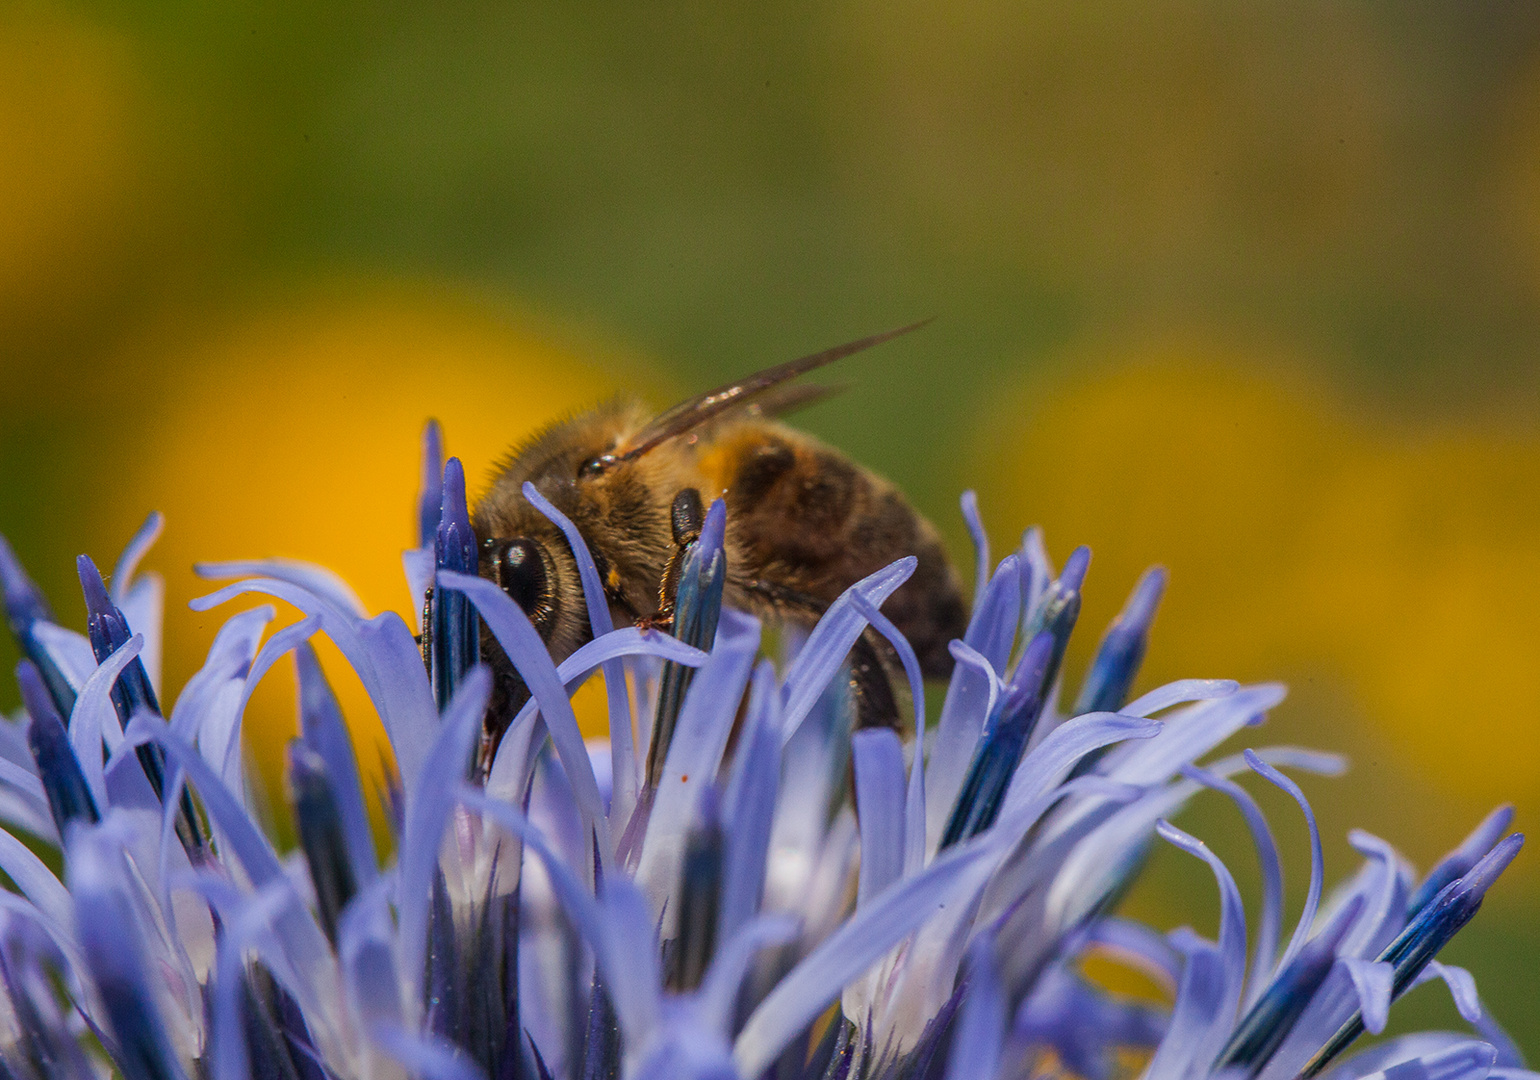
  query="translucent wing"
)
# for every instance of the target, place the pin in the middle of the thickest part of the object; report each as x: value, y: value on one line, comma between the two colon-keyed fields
x: 759, y: 392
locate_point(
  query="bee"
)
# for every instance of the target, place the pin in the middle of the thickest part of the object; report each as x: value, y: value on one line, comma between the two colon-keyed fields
x: 804, y: 523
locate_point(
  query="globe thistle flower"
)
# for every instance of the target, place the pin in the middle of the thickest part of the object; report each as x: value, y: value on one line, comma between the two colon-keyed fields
x: 736, y: 885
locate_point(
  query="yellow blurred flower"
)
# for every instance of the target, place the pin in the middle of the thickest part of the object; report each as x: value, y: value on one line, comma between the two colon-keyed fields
x: 1400, y: 562
x: 295, y: 432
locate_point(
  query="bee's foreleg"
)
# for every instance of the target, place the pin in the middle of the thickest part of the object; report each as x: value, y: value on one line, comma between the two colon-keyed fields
x: 686, y: 517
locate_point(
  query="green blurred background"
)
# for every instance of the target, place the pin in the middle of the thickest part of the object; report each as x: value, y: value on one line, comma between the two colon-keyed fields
x: 1249, y: 290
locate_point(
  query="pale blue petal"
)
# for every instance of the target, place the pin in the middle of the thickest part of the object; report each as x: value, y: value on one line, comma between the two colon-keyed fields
x: 1462, y: 989
x: 1392, y: 1052
x: 133, y: 552
x: 365, y: 936
x: 913, y: 814
x: 1190, y: 734
x: 427, y: 1057
x: 227, y: 759
x: 1179, y: 693
x: 879, y: 773
x: 70, y: 652
x: 419, y: 566
x: 848, y: 952
x: 106, y: 924
x: 1385, y: 882
x: 429, y: 805
x: 96, y: 718
x: 340, y: 624
x: 980, y: 538
x: 623, y: 758
x: 980, y: 1030
x: 325, y: 732
x: 1048, y: 762
x: 1372, y: 983
x: 719, y: 989
x: 245, y: 840
x: 694, y: 755
x: 992, y: 628
x: 749, y: 805
x: 527, y: 652
x: 632, y: 976
x: 1469, y: 1060
x: 326, y: 585
x: 1317, y: 872
x: 32, y: 877
x: 971, y: 696
x: 831, y: 640
x: 208, y: 692
x: 1270, y: 919
x: 405, y: 698
x: 1232, y: 936
x: 635, y: 993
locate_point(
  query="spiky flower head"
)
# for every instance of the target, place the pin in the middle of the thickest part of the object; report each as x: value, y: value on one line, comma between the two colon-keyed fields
x: 736, y: 885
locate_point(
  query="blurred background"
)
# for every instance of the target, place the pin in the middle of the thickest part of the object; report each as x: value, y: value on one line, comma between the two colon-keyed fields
x: 1252, y: 291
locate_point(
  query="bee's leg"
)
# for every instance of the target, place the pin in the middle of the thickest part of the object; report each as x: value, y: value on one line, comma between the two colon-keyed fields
x: 871, y: 683
x: 874, y: 665
x: 686, y: 517
x: 425, y: 639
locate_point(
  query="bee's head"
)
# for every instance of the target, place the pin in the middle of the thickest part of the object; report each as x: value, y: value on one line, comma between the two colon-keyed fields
x: 540, y: 575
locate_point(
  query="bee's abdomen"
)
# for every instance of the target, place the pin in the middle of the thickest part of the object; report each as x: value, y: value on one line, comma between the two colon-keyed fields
x: 807, y: 518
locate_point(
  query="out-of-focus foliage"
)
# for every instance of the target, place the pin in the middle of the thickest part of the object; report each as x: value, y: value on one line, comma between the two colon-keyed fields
x: 1253, y: 292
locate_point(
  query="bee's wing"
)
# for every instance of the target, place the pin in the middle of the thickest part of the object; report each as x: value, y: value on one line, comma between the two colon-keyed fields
x: 758, y: 390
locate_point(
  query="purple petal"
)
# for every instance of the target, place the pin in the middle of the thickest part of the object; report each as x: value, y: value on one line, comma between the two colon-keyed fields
x: 1190, y: 734
x: 365, y: 935
x: 227, y: 757
x: 207, y: 692
x: 31, y: 877
x: 636, y: 999
x: 1136, y: 945
x: 1407, y: 1048
x: 1049, y: 761
x: 1462, y: 989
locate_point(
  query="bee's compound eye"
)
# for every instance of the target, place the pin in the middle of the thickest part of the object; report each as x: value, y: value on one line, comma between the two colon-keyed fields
x: 595, y: 466
x: 519, y: 567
